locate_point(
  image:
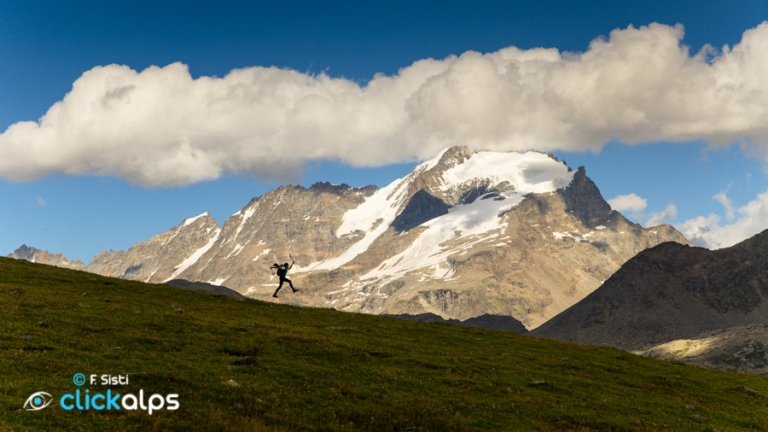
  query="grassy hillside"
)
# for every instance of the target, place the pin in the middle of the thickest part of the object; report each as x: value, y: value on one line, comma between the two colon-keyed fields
x: 313, y: 369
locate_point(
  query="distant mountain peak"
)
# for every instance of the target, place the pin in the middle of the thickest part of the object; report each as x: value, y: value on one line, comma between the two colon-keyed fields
x: 35, y: 255
x: 24, y: 252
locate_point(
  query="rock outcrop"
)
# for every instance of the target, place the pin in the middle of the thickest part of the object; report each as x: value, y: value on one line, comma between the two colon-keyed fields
x: 735, y: 349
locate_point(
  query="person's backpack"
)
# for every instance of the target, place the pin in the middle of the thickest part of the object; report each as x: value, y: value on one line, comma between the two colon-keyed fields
x: 282, y: 270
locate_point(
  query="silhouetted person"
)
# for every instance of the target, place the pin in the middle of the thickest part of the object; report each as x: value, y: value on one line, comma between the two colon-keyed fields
x: 282, y: 271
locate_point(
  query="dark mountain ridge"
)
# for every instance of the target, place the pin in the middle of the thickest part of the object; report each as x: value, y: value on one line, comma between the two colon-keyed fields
x: 486, y: 321
x: 669, y: 292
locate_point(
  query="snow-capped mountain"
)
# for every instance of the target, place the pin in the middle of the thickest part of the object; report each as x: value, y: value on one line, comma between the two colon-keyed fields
x: 465, y: 234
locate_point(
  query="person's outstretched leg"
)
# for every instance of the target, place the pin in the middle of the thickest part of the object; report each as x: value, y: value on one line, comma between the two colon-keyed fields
x: 278, y: 288
x: 291, y: 284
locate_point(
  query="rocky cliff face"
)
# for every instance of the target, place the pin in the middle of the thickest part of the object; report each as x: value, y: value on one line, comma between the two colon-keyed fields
x: 466, y: 234
x: 164, y: 256
x: 671, y: 292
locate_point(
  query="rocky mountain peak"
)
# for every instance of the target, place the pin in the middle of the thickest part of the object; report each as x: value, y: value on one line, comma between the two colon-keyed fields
x: 583, y: 198
x: 35, y: 255
x: 24, y: 253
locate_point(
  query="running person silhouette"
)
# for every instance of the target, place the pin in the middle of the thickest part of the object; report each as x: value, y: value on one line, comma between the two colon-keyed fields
x: 282, y: 271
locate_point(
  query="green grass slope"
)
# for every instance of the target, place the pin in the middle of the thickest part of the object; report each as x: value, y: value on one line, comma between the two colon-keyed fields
x: 311, y: 369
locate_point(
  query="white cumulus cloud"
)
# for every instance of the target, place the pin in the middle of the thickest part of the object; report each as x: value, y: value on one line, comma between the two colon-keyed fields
x: 710, y: 232
x: 162, y: 127
x: 630, y: 202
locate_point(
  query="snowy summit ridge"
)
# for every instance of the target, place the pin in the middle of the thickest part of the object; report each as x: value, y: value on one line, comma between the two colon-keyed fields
x: 530, y: 172
x: 508, y: 176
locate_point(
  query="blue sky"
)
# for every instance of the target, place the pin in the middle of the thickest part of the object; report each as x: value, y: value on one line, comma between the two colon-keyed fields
x: 79, y: 207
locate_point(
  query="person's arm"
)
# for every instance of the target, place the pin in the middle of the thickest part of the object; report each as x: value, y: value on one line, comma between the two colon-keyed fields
x: 290, y: 266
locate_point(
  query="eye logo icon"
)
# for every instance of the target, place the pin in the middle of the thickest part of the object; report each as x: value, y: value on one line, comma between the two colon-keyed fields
x: 38, y: 401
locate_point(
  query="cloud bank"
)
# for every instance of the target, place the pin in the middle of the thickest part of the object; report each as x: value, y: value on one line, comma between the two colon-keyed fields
x: 161, y: 127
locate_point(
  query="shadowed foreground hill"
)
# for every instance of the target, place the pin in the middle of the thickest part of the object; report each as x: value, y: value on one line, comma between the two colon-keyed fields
x: 247, y: 365
x: 490, y: 322
x: 671, y: 292
x: 202, y: 286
